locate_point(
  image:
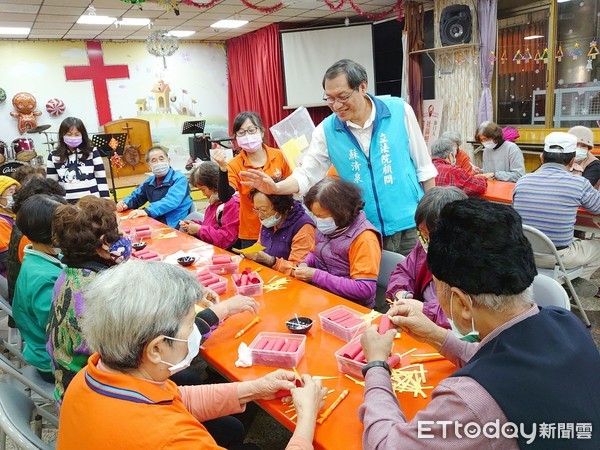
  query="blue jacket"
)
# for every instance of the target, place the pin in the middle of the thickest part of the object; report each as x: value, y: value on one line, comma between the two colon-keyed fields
x: 170, y: 201
x: 388, y: 177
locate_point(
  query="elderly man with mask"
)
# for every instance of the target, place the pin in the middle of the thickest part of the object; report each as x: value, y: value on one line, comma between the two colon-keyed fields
x: 167, y: 191
x: 585, y: 163
x: 519, y: 365
x: 139, y: 318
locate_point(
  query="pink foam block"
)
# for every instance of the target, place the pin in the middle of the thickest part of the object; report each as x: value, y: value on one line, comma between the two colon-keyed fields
x: 204, y: 275
x: 244, y: 280
x: 148, y: 255
x: 140, y: 253
x: 270, y: 345
x: 360, y: 357
x: 294, y: 344
x: 279, y: 344
x: 393, y: 360
x: 144, y: 234
x: 285, y: 348
x: 285, y: 392
x: 385, y: 325
x: 211, y: 283
x: 261, y: 344
x: 142, y: 228
x: 156, y: 258
x: 253, y: 278
x: 338, y: 315
x: 236, y: 278
x: 221, y: 259
x: 350, y: 322
x: 352, y: 350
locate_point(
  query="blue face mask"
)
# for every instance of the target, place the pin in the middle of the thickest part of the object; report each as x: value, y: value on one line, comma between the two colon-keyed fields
x: 120, y: 251
x: 326, y: 225
x: 473, y: 335
x: 271, y: 222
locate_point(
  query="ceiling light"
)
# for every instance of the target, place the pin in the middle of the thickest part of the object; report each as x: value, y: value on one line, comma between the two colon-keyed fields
x: 96, y: 20
x: 535, y: 36
x: 562, y: 1
x: 15, y: 30
x: 181, y: 33
x: 133, y: 21
x: 229, y: 23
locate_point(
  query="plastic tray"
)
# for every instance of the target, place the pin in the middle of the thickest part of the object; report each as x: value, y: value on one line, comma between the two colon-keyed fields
x: 220, y: 287
x: 250, y: 290
x: 228, y: 268
x: 345, y: 334
x: 349, y: 366
x: 277, y: 359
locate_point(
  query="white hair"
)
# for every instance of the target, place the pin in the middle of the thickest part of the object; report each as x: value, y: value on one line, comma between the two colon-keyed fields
x: 132, y: 303
x: 497, y: 303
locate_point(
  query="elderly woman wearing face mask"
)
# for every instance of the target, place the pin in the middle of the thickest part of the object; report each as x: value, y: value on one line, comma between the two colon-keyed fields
x: 166, y: 190
x: 502, y: 159
x: 348, y: 247
x: 8, y: 187
x: 586, y: 164
x: 140, y: 321
x: 287, y: 232
x: 221, y: 222
x: 249, y: 133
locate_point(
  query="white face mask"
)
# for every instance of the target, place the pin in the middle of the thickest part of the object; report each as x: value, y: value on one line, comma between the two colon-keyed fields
x: 160, y: 169
x: 471, y: 336
x: 489, y: 145
x: 194, y: 340
x: 581, y: 153
x: 271, y: 222
x: 9, y: 202
x: 251, y: 142
x: 326, y: 225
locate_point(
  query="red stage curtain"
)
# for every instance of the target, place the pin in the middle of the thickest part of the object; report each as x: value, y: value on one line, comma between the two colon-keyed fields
x: 256, y: 76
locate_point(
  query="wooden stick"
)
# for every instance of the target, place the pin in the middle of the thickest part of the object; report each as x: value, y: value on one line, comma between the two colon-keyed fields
x: 247, y: 327
x: 269, y: 282
x: 298, y: 375
x: 426, y: 359
x: 408, y: 352
x: 321, y: 377
x: 334, y: 405
x: 423, y: 355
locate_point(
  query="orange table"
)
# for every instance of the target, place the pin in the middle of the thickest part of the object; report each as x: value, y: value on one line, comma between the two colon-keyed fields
x: 342, y: 430
x: 502, y: 192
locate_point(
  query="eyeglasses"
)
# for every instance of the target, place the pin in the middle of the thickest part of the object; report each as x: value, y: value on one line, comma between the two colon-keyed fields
x: 424, y: 242
x: 341, y: 99
x: 251, y: 130
x: 263, y: 212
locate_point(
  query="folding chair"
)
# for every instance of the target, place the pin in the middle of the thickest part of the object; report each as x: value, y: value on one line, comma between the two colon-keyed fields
x: 542, y: 244
x: 549, y: 292
x: 17, y: 411
x: 29, y: 378
x: 15, y: 341
x: 389, y: 261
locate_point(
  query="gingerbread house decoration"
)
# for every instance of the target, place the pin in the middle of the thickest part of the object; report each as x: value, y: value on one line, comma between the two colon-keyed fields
x: 141, y: 104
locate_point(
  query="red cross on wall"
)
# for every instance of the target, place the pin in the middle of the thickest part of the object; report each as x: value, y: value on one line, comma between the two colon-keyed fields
x: 98, y: 73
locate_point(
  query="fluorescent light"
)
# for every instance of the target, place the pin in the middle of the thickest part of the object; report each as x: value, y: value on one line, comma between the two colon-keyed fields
x: 562, y: 1
x: 15, y: 30
x: 229, y: 23
x: 535, y: 36
x: 181, y: 33
x: 133, y: 21
x: 96, y: 20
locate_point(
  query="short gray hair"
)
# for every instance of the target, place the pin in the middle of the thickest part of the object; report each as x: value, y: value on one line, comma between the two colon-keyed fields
x: 132, y: 303
x: 155, y: 148
x: 454, y: 136
x: 442, y: 148
x: 429, y: 208
x: 355, y: 73
x: 497, y: 303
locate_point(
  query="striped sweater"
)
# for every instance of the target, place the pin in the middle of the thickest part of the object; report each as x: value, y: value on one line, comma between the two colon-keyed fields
x: 79, y: 178
x: 549, y: 198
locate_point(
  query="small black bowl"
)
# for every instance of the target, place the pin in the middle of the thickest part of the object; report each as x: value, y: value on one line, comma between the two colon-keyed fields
x: 186, y: 261
x: 139, y: 245
x: 301, y: 325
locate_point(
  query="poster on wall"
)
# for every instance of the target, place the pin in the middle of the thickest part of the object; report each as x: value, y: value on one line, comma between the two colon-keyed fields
x: 432, y: 120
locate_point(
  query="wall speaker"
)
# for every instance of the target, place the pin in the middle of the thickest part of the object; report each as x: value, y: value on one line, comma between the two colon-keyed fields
x: 456, y: 25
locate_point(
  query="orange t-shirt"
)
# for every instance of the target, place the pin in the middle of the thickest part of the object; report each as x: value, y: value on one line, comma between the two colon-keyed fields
x: 364, y: 256
x: 464, y: 161
x: 276, y: 167
x: 22, y: 243
x: 5, y: 230
x: 302, y: 244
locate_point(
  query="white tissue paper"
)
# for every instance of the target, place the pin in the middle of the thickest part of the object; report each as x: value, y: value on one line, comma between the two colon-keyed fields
x: 244, y: 356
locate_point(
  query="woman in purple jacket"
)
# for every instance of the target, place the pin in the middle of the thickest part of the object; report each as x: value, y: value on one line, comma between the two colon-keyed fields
x: 411, y: 282
x: 221, y: 224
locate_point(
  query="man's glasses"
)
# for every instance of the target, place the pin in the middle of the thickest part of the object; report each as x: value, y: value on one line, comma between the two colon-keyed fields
x: 250, y: 130
x: 341, y: 99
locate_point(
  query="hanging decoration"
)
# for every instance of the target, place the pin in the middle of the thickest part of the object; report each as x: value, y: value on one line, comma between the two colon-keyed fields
x: 545, y: 56
x: 559, y: 53
x: 593, y: 49
x: 25, y: 104
x: 538, y: 56
x: 527, y: 55
x: 55, y: 107
x: 2, y: 95
x: 161, y: 43
x: 134, y: 2
x: 503, y: 58
x: 588, y: 66
x: 263, y: 9
x: 460, y: 58
x: 475, y: 57
x: 492, y: 58
x: 575, y: 51
x: 116, y: 162
x: 518, y: 57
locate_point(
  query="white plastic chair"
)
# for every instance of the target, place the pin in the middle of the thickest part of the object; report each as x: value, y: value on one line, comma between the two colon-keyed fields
x: 389, y: 261
x: 549, y: 292
x: 16, y: 414
x: 542, y: 244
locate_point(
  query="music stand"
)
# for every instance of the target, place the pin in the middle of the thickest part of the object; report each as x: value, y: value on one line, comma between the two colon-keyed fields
x: 198, y: 146
x: 107, y: 145
x: 193, y: 127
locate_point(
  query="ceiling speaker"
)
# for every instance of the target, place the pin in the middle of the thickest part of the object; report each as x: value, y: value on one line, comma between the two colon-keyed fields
x: 456, y: 25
